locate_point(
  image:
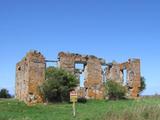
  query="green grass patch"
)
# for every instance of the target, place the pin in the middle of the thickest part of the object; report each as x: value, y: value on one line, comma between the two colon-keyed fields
x: 142, y: 109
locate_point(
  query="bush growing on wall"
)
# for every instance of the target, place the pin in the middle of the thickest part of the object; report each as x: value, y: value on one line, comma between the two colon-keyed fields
x: 58, y: 84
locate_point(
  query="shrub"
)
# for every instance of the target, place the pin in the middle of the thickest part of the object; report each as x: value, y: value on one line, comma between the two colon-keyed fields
x: 115, y: 90
x: 58, y: 84
x: 4, y: 93
x: 143, y: 85
x: 82, y: 100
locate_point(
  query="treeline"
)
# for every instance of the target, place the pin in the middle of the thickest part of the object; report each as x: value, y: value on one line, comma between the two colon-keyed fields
x: 4, y: 93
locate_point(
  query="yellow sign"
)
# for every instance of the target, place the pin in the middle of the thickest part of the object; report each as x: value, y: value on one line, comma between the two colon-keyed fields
x: 73, y: 96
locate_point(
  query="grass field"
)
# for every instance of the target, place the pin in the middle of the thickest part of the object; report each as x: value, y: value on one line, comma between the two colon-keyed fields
x: 142, y: 109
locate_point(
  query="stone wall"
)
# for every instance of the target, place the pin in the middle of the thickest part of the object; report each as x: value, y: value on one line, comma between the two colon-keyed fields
x: 132, y: 66
x: 113, y: 72
x: 30, y: 74
x: 133, y: 77
x: 93, y: 84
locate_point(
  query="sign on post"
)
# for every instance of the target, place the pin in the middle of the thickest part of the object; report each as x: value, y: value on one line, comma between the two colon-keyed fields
x: 73, y: 99
x: 73, y: 96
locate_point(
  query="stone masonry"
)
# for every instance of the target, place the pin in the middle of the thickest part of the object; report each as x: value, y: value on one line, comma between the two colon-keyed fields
x: 115, y: 72
x: 93, y: 84
x: 30, y: 74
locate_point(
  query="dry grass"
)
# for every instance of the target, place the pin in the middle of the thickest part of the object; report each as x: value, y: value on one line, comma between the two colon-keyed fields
x: 142, y: 112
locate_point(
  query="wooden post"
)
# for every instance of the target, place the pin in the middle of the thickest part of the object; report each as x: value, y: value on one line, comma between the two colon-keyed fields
x: 74, y: 109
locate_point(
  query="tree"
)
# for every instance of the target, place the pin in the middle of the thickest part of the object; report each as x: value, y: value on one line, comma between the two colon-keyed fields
x: 4, y: 93
x: 115, y: 90
x: 58, y: 84
x: 143, y: 85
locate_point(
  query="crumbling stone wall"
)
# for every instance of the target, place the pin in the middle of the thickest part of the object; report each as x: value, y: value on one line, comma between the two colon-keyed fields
x: 115, y: 72
x: 133, y: 77
x: 30, y: 74
x: 93, y: 85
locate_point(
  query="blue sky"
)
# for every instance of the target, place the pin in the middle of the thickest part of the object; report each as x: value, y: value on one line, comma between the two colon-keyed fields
x: 111, y: 29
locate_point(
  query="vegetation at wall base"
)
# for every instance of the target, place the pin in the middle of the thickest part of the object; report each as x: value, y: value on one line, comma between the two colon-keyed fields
x: 82, y: 100
x: 58, y: 84
x: 114, y: 90
x: 143, y: 85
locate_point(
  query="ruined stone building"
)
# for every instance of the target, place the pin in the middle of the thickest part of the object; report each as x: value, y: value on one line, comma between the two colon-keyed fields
x: 30, y: 74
